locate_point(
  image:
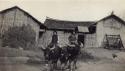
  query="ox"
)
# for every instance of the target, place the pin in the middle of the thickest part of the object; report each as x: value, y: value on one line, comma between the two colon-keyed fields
x: 67, y: 54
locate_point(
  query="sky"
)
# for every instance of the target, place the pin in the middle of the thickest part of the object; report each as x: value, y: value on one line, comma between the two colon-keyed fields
x: 72, y: 10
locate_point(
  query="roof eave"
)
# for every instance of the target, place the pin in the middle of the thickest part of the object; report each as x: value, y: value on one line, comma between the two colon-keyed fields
x: 16, y: 7
x: 121, y: 20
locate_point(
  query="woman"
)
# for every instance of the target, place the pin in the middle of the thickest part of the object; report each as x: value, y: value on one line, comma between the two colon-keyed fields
x: 54, y: 40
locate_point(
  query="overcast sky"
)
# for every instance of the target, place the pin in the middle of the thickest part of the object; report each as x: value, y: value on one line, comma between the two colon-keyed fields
x: 73, y: 10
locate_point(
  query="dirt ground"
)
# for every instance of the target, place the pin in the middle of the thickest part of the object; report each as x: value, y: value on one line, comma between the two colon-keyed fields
x: 104, y: 62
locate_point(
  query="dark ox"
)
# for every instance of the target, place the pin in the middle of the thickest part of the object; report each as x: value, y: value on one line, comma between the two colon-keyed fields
x: 64, y: 57
x: 67, y: 54
x: 73, y: 52
x: 52, y: 55
x: 46, y: 54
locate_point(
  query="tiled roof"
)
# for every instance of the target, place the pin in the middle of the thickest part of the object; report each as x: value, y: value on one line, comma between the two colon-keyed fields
x: 65, y: 25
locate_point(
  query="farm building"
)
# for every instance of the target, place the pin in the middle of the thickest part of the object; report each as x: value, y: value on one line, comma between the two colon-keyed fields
x: 110, y: 31
x: 107, y: 32
x: 15, y: 16
x: 85, y: 31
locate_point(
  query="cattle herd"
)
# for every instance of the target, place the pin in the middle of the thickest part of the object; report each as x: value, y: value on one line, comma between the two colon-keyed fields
x: 62, y: 58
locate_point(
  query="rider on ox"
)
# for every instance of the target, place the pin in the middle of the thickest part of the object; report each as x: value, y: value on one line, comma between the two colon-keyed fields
x: 54, y: 39
x: 52, y: 52
x: 73, y: 49
x: 54, y: 49
x: 72, y: 39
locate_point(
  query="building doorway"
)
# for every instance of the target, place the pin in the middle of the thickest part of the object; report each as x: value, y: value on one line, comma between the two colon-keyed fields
x: 112, y: 42
x: 81, y: 38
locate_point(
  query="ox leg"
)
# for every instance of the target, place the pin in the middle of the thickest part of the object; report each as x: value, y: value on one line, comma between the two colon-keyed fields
x: 70, y: 65
x: 50, y: 67
x: 75, y: 63
x: 62, y: 66
x: 65, y: 65
x: 56, y: 64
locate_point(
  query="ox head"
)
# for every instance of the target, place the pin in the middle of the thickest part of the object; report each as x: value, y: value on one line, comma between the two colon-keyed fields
x: 45, y: 52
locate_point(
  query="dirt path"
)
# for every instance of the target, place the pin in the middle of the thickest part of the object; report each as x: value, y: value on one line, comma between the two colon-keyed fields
x: 101, y: 66
x: 106, y: 62
x: 81, y: 67
x: 18, y: 67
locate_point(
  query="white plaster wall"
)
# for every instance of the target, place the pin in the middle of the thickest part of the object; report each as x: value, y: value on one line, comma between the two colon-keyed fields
x: 103, y: 29
x: 90, y: 40
x: 63, y: 38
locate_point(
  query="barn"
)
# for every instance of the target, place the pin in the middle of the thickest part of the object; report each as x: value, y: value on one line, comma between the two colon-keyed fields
x: 85, y: 31
x: 110, y: 32
x: 16, y: 16
x: 107, y: 32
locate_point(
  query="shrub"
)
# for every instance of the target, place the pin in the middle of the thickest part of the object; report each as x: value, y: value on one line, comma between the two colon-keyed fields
x: 19, y: 36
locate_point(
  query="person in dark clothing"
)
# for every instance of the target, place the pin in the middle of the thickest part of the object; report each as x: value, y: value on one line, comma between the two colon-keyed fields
x: 54, y: 40
x: 54, y: 37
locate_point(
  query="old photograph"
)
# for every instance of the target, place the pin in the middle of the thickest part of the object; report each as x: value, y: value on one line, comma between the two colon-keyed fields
x: 62, y: 35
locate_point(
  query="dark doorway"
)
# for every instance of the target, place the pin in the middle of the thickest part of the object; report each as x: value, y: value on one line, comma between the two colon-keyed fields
x: 40, y: 34
x: 81, y: 38
x: 112, y: 42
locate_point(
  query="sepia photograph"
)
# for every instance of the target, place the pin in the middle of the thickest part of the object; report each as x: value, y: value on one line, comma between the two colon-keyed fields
x: 62, y: 35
